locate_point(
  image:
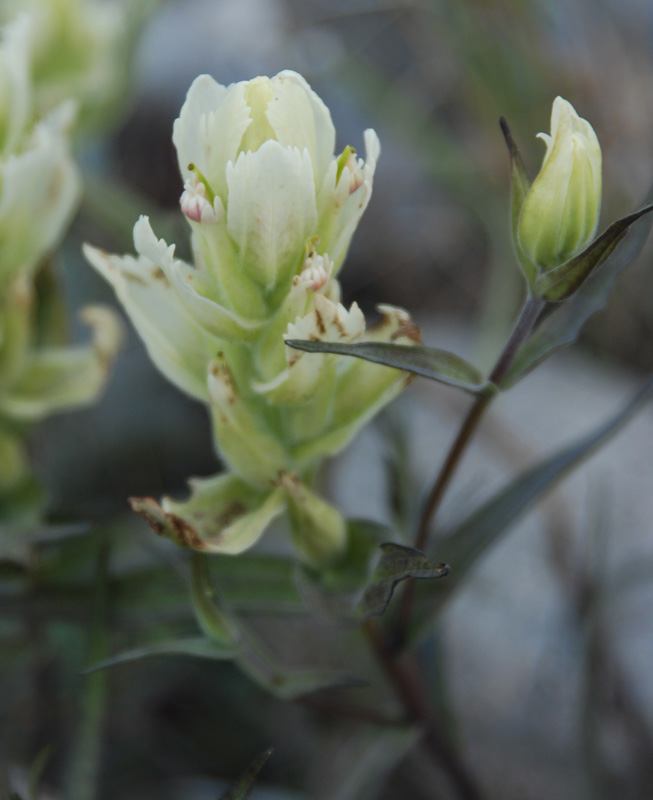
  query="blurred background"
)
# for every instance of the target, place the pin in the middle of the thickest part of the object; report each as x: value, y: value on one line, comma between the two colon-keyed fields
x: 547, y: 698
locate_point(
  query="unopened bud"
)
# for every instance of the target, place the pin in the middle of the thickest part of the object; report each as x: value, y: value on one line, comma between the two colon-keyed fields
x: 196, y: 205
x: 560, y: 213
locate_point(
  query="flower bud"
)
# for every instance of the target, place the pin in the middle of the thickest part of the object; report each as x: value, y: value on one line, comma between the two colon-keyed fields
x: 560, y: 213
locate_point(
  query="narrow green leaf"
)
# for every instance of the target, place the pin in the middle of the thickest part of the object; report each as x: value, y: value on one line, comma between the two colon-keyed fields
x: 436, y: 365
x: 242, y: 789
x: 520, y: 183
x: 560, y: 283
x: 562, y: 326
x: 292, y: 685
x: 82, y: 778
x: 469, y: 540
x: 197, y: 647
x: 362, y: 585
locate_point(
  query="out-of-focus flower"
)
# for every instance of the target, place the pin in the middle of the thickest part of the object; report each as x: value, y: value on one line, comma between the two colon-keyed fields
x: 40, y: 184
x: 39, y: 191
x: 272, y: 211
x: 561, y: 210
x: 79, y: 49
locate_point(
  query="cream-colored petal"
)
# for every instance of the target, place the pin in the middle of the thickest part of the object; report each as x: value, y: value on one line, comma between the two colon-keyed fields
x: 271, y: 210
x: 211, y: 125
x: 300, y: 119
x: 175, y: 342
x: 15, y: 85
x: 354, y: 206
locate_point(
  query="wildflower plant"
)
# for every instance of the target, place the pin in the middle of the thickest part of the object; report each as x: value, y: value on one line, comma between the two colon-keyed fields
x: 254, y: 328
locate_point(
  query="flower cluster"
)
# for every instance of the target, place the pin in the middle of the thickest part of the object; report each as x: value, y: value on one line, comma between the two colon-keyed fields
x: 272, y: 211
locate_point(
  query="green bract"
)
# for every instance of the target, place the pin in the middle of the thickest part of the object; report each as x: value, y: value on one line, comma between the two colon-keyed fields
x: 560, y: 213
x: 272, y: 210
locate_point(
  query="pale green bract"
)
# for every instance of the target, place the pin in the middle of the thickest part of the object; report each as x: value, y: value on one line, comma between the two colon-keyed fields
x: 272, y: 211
x: 560, y: 213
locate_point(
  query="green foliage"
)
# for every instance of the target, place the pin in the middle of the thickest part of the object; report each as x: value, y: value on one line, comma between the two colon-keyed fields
x: 427, y: 362
x: 561, y: 283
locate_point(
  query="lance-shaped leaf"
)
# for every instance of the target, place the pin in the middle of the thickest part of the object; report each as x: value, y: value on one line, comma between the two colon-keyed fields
x: 469, y: 540
x: 520, y: 183
x: 428, y: 362
x: 361, y: 585
x: 242, y: 789
x: 562, y: 326
x: 560, y: 283
x: 196, y: 647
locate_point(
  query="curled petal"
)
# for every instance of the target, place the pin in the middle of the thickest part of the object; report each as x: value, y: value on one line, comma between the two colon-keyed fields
x: 223, y: 515
x: 356, y: 202
x: 60, y: 378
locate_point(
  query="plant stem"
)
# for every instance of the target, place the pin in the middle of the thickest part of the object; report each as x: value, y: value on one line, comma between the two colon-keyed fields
x: 527, y: 318
x: 404, y: 675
